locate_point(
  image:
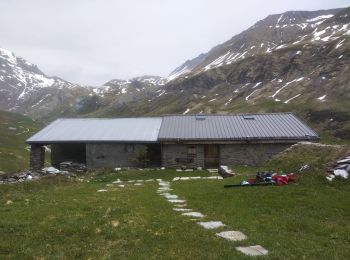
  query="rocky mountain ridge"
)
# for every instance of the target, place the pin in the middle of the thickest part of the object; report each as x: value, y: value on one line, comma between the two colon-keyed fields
x: 296, y: 61
x: 27, y: 90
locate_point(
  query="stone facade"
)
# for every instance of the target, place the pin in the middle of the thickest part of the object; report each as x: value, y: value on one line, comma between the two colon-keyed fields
x: 113, y: 155
x: 177, y: 155
x: 249, y: 154
x: 37, y: 157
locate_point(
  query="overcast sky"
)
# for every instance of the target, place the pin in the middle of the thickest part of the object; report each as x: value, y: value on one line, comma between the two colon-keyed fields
x: 93, y: 41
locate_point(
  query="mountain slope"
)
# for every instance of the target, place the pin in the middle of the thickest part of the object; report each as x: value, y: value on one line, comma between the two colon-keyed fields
x: 263, y: 37
x: 300, y: 63
x: 296, y: 61
x: 14, y: 130
x: 27, y: 90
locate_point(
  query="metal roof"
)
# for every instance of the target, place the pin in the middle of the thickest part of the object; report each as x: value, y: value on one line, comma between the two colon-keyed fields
x: 274, y: 126
x: 99, y: 130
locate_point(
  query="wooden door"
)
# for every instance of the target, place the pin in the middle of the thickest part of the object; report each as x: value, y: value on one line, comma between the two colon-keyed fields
x: 211, y: 155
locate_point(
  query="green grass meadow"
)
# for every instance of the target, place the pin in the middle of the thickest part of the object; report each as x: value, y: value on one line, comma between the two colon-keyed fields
x: 66, y: 218
x: 59, y: 218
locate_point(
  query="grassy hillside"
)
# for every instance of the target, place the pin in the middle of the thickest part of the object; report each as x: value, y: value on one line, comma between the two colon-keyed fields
x: 14, y: 130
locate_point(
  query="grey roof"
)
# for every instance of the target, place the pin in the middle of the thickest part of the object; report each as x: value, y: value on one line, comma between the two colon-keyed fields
x: 97, y: 130
x: 276, y: 126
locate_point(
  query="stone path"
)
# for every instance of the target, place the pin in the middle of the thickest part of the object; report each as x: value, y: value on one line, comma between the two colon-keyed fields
x: 252, y: 250
x: 163, y: 190
x: 232, y: 235
x: 179, y: 205
x: 211, y: 224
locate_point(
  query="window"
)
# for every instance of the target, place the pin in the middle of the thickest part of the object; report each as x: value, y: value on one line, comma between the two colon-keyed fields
x: 191, y: 152
x: 129, y: 148
x: 200, y: 117
x: 248, y: 117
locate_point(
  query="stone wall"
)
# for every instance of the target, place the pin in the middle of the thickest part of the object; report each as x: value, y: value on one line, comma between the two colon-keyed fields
x: 249, y: 154
x: 37, y: 157
x: 113, y: 155
x: 176, y: 155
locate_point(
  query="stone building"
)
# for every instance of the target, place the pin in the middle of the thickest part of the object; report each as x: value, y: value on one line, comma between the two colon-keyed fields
x: 171, y: 141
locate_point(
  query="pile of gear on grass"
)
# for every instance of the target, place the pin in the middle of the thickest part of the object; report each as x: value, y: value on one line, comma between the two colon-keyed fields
x: 263, y: 178
x: 69, y: 169
x: 339, y: 169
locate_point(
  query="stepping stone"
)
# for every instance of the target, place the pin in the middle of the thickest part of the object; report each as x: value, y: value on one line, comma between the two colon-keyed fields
x: 180, y: 205
x: 193, y: 214
x: 184, y: 178
x: 131, y: 181
x: 176, y: 179
x: 164, y: 187
x: 195, y: 178
x: 170, y: 196
x: 102, y: 190
x: 176, y: 201
x: 252, y: 250
x: 149, y: 180
x: 138, y: 184
x: 117, y: 181
x: 211, y: 224
x: 121, y: 185
x: 109, y: 185
x: 232, y: 235
x: 181, y: 209
x: 163, y: 190
x: 159, y: 180
x: 139, y: 180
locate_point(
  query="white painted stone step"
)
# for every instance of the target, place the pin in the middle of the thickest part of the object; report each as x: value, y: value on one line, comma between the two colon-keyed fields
x: 181, y: 209
x: 176, y: 201
x: 232, y: 235
x: 211, y: 224
x: 252, y: 250
x: 170, y: 196
x: 180, y: 205
x: 193, y: 214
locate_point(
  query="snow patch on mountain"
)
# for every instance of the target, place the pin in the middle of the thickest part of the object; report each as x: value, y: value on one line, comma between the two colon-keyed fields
x: 286, y: 85
x: 321, y: 17
x: 288, y: 100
